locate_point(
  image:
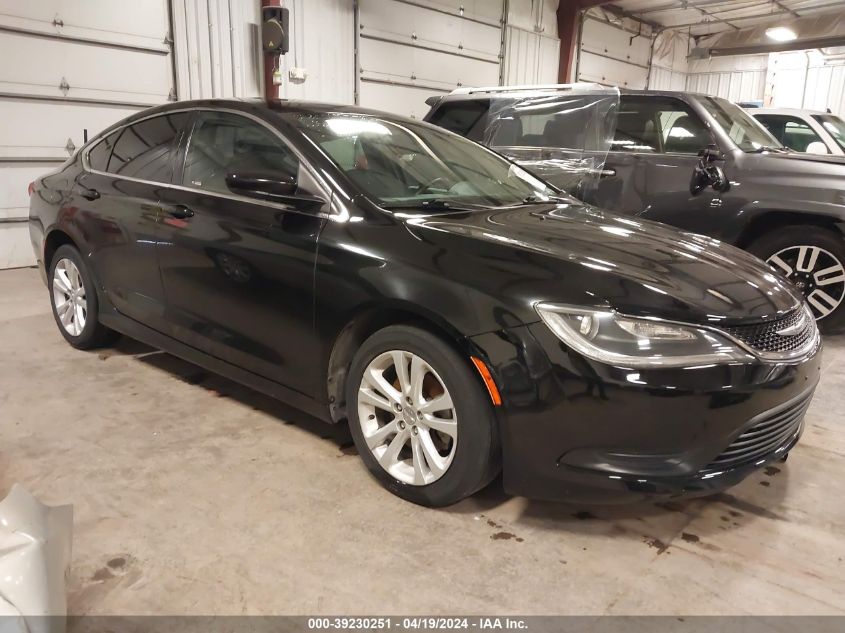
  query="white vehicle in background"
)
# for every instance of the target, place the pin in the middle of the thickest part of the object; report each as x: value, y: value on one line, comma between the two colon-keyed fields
x: 807, y: 131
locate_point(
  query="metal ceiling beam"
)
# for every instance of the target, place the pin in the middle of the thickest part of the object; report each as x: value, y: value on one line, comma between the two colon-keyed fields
x: 673, y: 6
x: 837, y: 3
x: 709, y: 15
x: 792, y: 11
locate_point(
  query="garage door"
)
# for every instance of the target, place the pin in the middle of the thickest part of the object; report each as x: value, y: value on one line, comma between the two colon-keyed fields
x: 68, y: 66
x: 446, y: 44
x: 613, y: 56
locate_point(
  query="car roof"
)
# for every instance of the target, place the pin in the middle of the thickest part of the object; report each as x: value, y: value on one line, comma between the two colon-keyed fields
x: 257, y: 105
x: 514, y: 92
x: 792, y: 111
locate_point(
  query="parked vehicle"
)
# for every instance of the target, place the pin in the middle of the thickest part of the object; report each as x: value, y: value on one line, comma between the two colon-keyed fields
x: 804, y: 130
x: 462, y: 315
x: 697, y: 162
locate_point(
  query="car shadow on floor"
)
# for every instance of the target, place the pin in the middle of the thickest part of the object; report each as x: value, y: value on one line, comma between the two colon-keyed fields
x: 753, y: 499
x: 226, y: 388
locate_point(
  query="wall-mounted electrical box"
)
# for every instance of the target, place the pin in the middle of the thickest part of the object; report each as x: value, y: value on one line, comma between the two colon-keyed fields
x: 275, y: 36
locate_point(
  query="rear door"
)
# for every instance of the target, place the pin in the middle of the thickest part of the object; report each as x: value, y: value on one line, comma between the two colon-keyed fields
x: 116, y: 201
x: 238, y: 272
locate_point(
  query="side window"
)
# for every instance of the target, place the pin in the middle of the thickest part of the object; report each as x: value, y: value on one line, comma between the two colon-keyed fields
x: 461, y: 117
x: 98, y: 156
x: 222, y: 143
x: 791, y: 131
x: 660, y: 126
x: 775, y: 124
x: 143, y: 149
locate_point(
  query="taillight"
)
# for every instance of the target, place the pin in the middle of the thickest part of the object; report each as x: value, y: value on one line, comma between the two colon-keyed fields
x: 31, y: 188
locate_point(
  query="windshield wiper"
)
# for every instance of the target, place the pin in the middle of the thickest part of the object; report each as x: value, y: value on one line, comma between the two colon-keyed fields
x: 436, y: 204
x: 767, y: 148
x: 538, y: 200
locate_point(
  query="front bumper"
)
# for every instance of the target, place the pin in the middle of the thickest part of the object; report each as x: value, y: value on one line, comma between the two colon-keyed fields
x: 577, y: 430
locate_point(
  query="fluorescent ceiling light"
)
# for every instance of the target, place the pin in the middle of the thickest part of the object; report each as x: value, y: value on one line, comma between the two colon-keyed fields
x: 781, y: 34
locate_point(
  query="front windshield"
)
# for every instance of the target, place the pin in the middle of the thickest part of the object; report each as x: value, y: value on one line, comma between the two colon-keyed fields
x: 399, y: 164
x: 834, y: 126
x: 742, y: 128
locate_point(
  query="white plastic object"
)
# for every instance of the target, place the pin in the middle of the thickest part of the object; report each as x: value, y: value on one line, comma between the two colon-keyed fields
x: 35, y: 550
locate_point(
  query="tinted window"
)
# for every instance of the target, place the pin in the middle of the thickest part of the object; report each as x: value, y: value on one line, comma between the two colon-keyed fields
x: 222, y: 143
x: 791, y: 131
x: 98, y: 156
x: 659, y: 125
x: 461, y: 117
x: 143, y: 149
x: 834, y: 126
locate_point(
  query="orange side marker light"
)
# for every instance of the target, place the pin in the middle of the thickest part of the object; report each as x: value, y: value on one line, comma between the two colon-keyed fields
x: 492, y: 389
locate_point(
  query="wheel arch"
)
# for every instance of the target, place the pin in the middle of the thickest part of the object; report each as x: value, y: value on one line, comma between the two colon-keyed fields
x: 769, y: 221
x: 53, y: 240
x: 366, y: 322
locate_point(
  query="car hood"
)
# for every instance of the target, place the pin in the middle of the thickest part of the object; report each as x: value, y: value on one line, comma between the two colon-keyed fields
x: 574, y: 254
x: 828, y: 159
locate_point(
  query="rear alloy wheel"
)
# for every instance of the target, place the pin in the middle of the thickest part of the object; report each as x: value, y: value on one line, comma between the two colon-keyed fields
x: 420, y: 418
x: 813, y: 259
x: 69, y: 297
x: 74, y: 301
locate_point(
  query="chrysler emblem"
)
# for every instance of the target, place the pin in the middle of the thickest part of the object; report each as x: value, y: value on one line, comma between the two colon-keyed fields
x: 795, y: 328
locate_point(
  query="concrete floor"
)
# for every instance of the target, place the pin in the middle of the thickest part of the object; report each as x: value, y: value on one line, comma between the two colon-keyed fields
x: 193, y: 495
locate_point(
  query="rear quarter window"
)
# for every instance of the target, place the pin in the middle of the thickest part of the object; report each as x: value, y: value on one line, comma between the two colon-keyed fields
x: 98, y: 156
x: 462, y: 117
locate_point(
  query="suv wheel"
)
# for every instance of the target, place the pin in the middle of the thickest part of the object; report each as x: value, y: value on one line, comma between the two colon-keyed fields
x: 74, y: 301
x: 813, y: 259
x: 419, y: 417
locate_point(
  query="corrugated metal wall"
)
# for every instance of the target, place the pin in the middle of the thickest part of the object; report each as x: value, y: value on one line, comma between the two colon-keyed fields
x: 806, y: 79
x: 532, y: 47
x: 217, y: 47
x: 738, y: 78
x: 323, y: 44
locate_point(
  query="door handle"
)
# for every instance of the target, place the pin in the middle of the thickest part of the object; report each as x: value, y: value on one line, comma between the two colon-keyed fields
x: 89, y: 194
x: 179, y: 211
x: 608, y: 172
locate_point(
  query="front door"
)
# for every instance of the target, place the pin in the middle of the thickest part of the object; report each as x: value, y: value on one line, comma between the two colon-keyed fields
x: 238, y: 272
x: 653, y: 154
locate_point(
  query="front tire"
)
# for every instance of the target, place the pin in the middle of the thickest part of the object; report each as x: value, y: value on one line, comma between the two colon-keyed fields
x: 813, y: 259
x: 419, y: 417
x: 73, y: 297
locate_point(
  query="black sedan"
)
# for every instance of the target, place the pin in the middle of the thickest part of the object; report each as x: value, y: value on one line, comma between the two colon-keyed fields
x: 463, y: 316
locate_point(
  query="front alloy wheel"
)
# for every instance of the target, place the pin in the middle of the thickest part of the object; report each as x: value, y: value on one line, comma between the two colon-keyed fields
x: 407, y: 417
x: 421, y: 418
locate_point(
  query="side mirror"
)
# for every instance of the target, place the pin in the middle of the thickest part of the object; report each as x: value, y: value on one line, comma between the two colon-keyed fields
x: 707, y: 174
x: 817, y: 147
x: 270, y: 187
x: 260, y: 185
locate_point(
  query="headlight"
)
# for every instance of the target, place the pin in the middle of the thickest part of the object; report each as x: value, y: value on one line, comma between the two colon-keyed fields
x: 620, y: 340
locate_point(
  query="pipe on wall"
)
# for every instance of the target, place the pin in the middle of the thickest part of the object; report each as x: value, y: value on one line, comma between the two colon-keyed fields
x: 271, y: 61
x: 568, y: 30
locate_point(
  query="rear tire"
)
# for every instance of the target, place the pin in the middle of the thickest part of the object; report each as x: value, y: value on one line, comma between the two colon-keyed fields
x: 430, y: 456
x: 73, y: 297
x: 813, y: 258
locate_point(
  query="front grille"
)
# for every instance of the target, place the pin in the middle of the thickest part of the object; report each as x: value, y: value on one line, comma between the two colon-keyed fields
x: 764, y: 337
x: 772, y: 431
